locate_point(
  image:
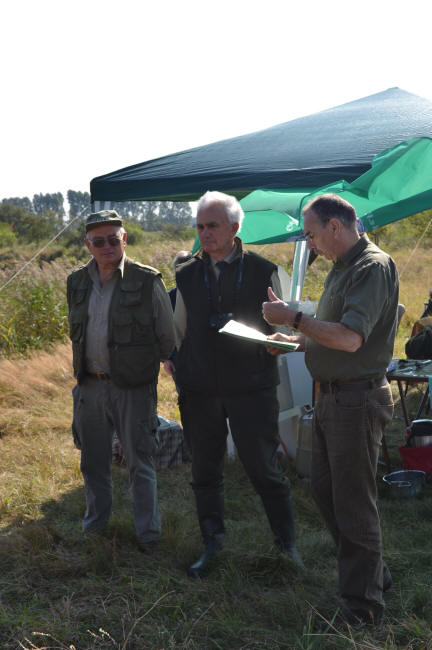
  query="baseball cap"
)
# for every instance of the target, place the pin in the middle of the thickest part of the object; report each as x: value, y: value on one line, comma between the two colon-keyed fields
x: 103, y: 217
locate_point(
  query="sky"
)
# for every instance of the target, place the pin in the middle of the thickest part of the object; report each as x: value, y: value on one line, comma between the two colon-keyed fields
x: 92, y: 86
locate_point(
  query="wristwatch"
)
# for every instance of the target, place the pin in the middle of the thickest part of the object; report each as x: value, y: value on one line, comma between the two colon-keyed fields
x: 297, y: 320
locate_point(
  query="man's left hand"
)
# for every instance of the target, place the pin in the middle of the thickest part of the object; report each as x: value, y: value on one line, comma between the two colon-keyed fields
x: 277, y: 312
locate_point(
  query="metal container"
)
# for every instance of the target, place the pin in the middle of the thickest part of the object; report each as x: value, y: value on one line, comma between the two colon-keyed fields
x: 420, y: 433
x: 404, y: 483
x: 420, y: 441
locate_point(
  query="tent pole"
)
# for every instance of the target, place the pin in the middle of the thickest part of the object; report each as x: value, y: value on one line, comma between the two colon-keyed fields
x: 300, y: 261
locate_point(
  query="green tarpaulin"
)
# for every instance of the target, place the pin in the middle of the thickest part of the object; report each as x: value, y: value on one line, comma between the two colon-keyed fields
x: 398, y: 184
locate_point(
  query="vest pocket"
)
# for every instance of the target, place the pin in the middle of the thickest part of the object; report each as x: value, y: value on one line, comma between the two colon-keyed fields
x: 122, y: 327
x: 130, y: 294
x: 143, y: 328
x: 75, y: 327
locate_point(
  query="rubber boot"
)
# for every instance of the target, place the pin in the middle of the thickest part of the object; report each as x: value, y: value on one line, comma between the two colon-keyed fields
x: 203, y: 564
x: 210, y: 508
x: 280, y: 514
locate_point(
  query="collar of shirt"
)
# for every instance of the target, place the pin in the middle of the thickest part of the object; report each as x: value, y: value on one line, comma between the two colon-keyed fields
x: 237, y: 251
x: 229, y: 258
x: 353, y: 252
x: 92, y: 268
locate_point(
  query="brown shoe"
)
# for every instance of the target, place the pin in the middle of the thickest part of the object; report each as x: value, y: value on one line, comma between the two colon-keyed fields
x: 147, y: 547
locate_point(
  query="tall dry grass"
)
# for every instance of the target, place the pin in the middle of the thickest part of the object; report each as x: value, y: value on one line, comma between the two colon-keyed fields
x: 58, y: 590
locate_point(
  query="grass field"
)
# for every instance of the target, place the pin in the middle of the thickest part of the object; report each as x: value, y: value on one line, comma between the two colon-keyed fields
x: 60, y: 590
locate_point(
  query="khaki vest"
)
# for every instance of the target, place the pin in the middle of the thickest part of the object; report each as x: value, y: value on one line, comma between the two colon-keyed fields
x: 133, y: 346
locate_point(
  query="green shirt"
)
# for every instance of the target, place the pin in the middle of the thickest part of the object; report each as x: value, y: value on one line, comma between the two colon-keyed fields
x: 361, y: 291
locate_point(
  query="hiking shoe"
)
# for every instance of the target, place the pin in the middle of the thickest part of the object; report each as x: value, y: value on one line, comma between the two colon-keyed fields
x: 147, y: 547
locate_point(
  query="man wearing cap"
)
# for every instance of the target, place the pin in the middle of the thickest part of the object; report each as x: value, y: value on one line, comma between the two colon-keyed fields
x: 121, y: 327
x: 349, y: 346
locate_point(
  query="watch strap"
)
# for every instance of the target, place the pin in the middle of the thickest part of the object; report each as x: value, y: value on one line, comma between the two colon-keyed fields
x: 297, y: 320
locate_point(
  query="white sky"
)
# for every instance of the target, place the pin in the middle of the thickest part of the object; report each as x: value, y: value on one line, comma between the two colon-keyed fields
x: 91, y: 86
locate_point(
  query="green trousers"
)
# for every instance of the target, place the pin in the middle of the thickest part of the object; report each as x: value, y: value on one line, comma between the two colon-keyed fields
x: 348, y: 429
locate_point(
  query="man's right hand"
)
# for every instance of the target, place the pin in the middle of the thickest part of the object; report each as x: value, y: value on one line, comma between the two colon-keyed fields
x: 278, y: 336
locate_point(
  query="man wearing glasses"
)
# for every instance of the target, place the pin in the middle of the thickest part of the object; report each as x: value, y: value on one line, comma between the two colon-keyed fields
x: 349, y: 346
x: 121, y: 327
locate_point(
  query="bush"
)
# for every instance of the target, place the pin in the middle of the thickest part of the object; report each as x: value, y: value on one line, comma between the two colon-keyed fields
x: 33, y: 310
x: 135, y: 234
x: 7, y: 237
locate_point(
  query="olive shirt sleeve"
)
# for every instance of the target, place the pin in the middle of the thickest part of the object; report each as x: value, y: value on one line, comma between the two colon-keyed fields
x: 163, y: 318
x: 365, y: 299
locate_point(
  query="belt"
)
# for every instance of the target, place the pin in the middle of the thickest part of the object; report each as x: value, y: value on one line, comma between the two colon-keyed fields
x: 99, y: 375
x: 366, y: 384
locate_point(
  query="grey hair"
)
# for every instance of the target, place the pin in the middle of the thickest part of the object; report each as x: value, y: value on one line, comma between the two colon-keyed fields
x: 121, y: 231
x: 233, y: 209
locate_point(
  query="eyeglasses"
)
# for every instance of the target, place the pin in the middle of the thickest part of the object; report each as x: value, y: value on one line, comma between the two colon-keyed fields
x: 99, y: 242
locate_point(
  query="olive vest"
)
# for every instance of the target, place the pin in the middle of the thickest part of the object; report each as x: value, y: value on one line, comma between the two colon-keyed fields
x: 132, y: 342
x: 217, y: 363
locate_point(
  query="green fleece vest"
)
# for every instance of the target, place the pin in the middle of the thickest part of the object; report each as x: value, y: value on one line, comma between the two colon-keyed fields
x: 216, y: 363
x: 133, y: 346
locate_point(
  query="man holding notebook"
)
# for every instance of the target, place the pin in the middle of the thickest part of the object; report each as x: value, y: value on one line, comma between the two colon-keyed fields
x: 349, y: 346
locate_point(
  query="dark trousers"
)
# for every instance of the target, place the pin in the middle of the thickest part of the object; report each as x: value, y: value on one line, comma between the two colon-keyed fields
x: 253, y: 421
x: 348, y: 429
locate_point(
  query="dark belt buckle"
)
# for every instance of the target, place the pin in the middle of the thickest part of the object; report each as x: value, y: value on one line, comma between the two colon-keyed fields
x: 100, y: 375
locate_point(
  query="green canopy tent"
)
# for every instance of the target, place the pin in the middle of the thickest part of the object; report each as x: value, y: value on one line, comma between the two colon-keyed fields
x: 299, y: 156
x: 309, y: 151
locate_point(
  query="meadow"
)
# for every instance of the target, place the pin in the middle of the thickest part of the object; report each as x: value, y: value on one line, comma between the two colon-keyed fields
x: 61, y: 590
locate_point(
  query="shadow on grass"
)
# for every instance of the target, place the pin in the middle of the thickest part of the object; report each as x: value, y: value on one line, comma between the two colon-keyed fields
x: 99, y: 591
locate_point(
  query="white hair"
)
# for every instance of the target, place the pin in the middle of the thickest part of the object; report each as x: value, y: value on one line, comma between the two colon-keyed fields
x: 121, y: 230
x: 233, y: 209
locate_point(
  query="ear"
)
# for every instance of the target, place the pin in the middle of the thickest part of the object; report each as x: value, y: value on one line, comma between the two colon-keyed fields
x: 335, y: 225
x: 86, y: 241
x: 236, y: 227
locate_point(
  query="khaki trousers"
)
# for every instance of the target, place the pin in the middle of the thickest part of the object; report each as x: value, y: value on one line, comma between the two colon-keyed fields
x: 348, y: 429
x: 100, y: 408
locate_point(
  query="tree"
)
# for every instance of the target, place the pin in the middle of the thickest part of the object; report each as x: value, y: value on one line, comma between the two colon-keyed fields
x: 176, y: 212
x: 78, y: 201
x: 138, y: 211
x: 28, y: 226
x: 23, y: 202
x: 45, y: 203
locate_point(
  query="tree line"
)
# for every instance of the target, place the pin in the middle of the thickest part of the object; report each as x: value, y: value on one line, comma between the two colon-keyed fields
x: 34, y: 220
